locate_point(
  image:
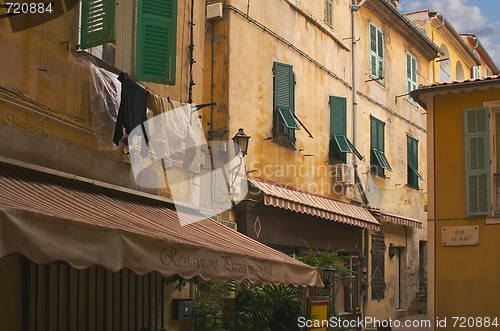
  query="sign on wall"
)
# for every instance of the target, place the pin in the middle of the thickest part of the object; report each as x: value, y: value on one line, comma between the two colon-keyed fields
x: 460, y: 235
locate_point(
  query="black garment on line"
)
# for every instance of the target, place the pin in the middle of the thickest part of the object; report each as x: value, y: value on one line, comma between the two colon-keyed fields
x: 132, y: 111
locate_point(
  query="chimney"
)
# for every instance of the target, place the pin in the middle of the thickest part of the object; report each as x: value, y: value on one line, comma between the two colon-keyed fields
x: 395, y: 2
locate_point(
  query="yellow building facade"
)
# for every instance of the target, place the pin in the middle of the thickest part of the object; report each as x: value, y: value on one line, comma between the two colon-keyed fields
x: 245, y: 51
x: 463, y: 226
x: 457, y: 59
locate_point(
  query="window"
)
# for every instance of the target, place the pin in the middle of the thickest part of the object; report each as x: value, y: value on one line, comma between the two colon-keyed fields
x: 376, y: 54
x: 476, y: 72
x: 412, y: 171
x: 339, y: 144
x: 488, y: 72
x: 329, y: 13
x: 378, y: 160
x: 411, y: 75
x: 155, y: 36
x: 477, y: 161
x: 284, y: 118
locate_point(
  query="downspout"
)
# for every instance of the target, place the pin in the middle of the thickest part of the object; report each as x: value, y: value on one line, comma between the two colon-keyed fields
x: 191, y: 55
x: 354, y: 8
x: 441, y: 16
x: 477, y: 44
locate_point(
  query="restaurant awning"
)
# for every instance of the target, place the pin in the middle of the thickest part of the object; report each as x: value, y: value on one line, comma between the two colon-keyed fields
x: 283, y: 197
x: 396, y: 219
x: 49, y: 218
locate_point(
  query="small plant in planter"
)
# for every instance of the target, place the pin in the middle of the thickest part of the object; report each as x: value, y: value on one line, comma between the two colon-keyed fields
x: 414, y: 308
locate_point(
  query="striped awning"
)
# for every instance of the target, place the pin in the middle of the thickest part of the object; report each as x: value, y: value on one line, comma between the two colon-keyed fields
x: 397, y: 219
x: 303, y: 202
x: 49, y: 218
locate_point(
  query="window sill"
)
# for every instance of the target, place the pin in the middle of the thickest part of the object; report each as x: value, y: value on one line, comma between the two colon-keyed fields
x: 286, y: 144
x: 84, y: 55
x: 492, y: 220
x: 413, y: 187
x: 378, y: 175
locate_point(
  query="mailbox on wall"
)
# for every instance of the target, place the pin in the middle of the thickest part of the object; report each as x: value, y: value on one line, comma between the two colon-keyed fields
x: 182, y: 309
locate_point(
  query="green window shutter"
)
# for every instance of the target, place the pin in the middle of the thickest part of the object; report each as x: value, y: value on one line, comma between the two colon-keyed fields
x: 338, y: 126
x: 378, y: 160
x: 412, y: 159
x: 284, y: 89
x: 380, y: 44
x: 376, y: 53
x: 373, y: 52
x: 156, y: 41
x: 411, y: 75
x: 98, y: 22
x: 477, y: 161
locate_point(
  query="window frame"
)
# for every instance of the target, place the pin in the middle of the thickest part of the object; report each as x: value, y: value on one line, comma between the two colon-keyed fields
x: 127, y: 57
x: 494, y: 109
x: 476, y: 72
x: 278, y: 121
x: 411, y: 76
x: 378, y: 54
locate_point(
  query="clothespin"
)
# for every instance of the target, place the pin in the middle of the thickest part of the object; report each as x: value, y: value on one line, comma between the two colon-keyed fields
x: 145, y: 89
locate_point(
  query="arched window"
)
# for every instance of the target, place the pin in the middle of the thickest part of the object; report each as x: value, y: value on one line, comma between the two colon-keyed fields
x: 460, y: 71
x: 444, y: 65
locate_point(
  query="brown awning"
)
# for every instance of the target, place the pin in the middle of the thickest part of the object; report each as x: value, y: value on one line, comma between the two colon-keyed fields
x: 48, y: 218
x: 306, y: 203
x: 397, y: 219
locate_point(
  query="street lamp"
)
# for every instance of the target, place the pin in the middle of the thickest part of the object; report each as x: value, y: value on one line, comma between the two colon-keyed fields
x: 327, y: 275
x: 392, y: 250
x: 241, y: 139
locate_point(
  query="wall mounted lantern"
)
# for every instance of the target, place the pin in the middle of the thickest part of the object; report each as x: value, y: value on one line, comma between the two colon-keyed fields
x: 241, y: 139
x: 392, y: 250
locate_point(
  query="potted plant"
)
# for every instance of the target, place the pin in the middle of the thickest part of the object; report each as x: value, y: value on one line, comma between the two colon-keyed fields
x: 422, y: 296
x: 413, y: 309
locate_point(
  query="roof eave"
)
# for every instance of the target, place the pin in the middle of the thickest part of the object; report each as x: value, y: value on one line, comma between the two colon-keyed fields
x: 456, y: 35
x: 423, y: 92
x: 386, y: 11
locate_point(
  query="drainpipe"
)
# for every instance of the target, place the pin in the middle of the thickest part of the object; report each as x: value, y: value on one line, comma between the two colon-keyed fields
x: 477, y: 43
x: 354, y: 8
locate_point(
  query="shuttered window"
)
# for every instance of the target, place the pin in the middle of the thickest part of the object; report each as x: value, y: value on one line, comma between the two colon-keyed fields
x: 339, y: 144
x: 488, y: 72
x: 476, y: 72
x: 98, y: 22
x: 284, y: 120
x: 411, y: 75
x: 376, y: 54
x: 156, y: 41
x: 477, y: 161
x: 329, y: 13
x: 378, y: 160
x: 412, y: 159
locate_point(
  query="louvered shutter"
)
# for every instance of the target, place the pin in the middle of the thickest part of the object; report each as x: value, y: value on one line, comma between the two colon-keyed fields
x: 477, y: 161
x: 284, y: 84
x: 329, y: 13
x: 373, y: 52
x: 156, y: 41
x: 98, y: 21
x: 377, y: 144
x: 338, y: 125
x: 412, y: 159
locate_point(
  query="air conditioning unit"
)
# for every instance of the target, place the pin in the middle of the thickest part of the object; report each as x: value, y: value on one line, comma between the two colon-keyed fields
x: 344, y: 174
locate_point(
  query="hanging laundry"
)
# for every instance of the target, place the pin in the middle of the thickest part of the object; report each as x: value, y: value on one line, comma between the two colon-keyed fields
x: 132, y: 111
x: 172, y: 137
